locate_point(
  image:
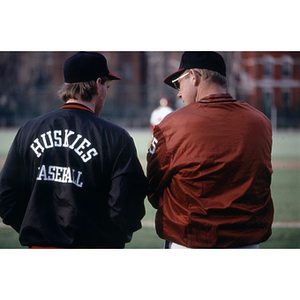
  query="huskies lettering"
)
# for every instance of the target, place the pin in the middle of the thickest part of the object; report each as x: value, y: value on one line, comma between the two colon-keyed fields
x: 59, y: 138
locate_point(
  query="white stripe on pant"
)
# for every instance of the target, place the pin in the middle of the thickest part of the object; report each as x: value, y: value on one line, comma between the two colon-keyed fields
x: 171, y: 245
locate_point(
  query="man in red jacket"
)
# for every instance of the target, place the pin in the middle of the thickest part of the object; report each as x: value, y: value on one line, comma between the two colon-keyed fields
x: 209, y: 164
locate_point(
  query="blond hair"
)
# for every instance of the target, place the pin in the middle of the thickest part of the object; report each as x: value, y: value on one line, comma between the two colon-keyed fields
x: 84, y: 90
x: 213, y: 77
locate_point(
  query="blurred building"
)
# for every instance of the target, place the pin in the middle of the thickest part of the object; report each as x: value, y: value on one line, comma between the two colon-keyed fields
x: 270, y: 81
x: 29, y: 81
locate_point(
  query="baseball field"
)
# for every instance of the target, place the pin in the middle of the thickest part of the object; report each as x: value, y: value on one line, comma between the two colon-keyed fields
x: 285, y: 193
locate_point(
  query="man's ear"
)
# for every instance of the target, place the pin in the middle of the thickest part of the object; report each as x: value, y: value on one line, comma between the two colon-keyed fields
x: 195, y: 77
x: 98, y: 83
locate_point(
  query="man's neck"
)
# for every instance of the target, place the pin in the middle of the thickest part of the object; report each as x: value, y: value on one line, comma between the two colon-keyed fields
x: 210, y: 90
x: 90, y: 105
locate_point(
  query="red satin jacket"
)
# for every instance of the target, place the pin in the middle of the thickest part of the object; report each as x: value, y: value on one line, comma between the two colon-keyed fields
x: 209, y: 171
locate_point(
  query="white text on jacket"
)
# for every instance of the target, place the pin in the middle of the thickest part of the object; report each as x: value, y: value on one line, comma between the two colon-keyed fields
x: 59, y: 138
x: 59, y: 174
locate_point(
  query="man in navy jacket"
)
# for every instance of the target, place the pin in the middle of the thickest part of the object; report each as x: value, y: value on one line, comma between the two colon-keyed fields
x: 71, y: 178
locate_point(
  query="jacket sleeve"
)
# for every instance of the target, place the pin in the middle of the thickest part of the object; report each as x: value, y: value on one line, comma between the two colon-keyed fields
x: 158, y: 167
x: 128, y: 191
x: 13, y: 193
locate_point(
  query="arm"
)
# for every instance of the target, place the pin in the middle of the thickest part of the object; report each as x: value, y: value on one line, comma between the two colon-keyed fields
x: 128, y: 191
x: 158, y: 162
x: 13, y: 195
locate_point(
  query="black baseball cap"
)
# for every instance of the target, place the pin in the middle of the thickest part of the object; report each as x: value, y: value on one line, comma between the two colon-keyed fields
x: 86, y: 66
x: 201, y: 60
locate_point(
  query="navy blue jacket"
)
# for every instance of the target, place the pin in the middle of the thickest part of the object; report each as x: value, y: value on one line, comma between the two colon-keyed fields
x: 72, y: 179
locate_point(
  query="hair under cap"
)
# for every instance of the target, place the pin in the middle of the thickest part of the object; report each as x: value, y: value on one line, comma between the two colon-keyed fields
x: 86, y: 66
x: 201, y: 60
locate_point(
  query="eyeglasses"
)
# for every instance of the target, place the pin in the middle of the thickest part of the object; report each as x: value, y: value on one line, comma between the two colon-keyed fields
x: 176, y: 81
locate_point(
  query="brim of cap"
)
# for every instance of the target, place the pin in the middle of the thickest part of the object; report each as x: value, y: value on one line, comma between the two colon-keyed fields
x: 112, y: 76
x: 168, y: 80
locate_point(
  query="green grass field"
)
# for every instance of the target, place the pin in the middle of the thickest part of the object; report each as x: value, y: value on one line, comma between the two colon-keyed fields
x: 285, y: 193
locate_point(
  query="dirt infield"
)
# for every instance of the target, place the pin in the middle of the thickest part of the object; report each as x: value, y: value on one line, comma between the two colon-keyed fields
x: 2, y: 161
x: 290, y: 165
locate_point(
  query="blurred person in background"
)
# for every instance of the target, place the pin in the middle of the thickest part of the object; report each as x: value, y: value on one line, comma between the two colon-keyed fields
x: 160, y: 112
x: 72, y: 179
x: 209, y: 164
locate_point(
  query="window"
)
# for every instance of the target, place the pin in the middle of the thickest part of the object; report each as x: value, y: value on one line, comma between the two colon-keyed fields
x: 268, y: 67
x: 287, y: 66
x: 286, y: 98
x: 267, y: 102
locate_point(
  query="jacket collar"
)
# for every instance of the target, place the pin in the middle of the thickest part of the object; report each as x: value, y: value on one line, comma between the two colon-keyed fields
x: 217, y: 98
x: 77, y: 106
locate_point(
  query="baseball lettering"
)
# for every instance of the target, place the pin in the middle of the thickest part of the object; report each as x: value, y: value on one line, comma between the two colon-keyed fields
x: 59, y: 174
x: 67, y: 139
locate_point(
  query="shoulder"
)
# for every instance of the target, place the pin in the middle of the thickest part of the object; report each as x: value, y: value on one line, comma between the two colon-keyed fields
x: 254, y: 112
x: 110, y: 127
x: 35, y: 122
x: 173, y: 124
x: 175, y: 117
